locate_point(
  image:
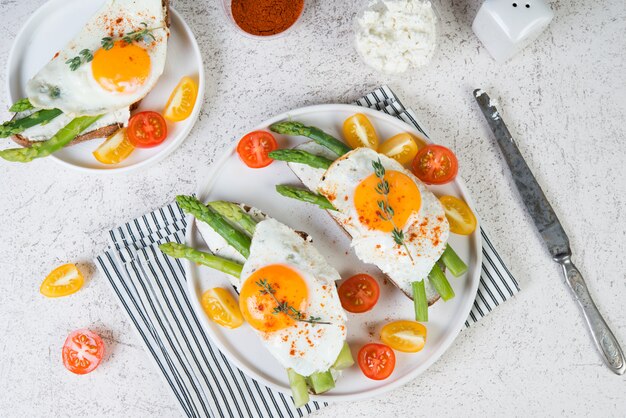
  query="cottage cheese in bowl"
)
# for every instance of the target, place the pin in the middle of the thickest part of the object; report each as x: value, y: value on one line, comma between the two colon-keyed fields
x: 395, y: 35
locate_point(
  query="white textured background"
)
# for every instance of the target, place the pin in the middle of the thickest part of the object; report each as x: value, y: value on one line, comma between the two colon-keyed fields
x: 564, y: 98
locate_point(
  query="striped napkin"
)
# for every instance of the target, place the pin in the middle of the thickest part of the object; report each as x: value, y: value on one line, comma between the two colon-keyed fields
x: 152, y: 290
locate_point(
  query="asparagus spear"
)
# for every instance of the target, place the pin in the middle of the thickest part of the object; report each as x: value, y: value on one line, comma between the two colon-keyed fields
x: 322, y: 382
x: 302, y: 157
x: 305, y: 196
x: 45, y: 148
x: 344, y: 359
x: 441, y: 284
x: 420, y: 302
x: 234, y: 237
x: 453, y: 262
x: 317, y: 135
x: 16, y: 126
x: 235, y: 214
x: 299, y: 389
x: 21, y: 105
x: 218, y: 263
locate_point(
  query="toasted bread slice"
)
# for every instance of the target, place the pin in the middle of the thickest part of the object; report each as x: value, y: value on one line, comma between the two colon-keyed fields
x: 103, y: 132
x: 311, y: 177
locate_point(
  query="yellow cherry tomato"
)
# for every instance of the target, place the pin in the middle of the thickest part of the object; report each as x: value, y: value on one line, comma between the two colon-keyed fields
x: 115, y: 149
x: 402, y: 148
x: 405, y: 336
x: 62, y: 281
x: 460, y: 217
x: 221, y: 307
x: 181, y: 101
x: 358, y: 131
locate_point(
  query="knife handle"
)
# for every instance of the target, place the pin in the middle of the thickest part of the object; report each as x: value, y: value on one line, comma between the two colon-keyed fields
x: 602, y: 336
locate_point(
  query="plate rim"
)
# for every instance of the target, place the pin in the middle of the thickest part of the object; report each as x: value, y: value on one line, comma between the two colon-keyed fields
x: 203, y: 190
x: 190, y: 123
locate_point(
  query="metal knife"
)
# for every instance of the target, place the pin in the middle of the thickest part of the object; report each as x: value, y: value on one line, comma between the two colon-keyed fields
x: 553, y: 234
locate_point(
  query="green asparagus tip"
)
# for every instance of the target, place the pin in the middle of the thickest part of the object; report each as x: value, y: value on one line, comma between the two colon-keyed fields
x: 288, y: 128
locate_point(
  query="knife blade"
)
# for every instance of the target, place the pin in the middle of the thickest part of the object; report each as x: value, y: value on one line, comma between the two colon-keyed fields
x: 552, y: 232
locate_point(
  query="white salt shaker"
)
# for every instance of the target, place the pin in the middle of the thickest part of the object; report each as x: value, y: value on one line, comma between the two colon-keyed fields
x: 505, y: 27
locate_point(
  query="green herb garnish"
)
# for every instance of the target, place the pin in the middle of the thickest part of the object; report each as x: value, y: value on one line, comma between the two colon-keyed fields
x: 286, y: 308
x: 386, y: 211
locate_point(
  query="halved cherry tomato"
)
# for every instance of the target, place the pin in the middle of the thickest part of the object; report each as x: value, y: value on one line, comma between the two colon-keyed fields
x: 62, y: 281
x: 181, y: 101
x: 359, y: 293
x: 376, y: 361
x: 147, y: 129
x: 358, y: 131
x: 253, y: 149
x: 221, y: 307
x: 83, y: 351
x: 115, y: 149
x: 406, y: 336
x: 402, y: 148
x: 460, y: 217
x: 435, y: 164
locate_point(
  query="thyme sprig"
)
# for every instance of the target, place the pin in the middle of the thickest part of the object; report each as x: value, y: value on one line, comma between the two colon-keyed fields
x: 285, y: 307
x: 386, y: 211
x: 83, y: 56
x: 86, y: 55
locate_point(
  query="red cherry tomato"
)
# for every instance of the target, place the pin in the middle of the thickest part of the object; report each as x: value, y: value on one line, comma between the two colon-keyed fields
x: 376, y: 361
x: 146, y: 129
x: 435, y: 164
x: 359, y: 293
x: 82, y: 351
x: 253, y: 149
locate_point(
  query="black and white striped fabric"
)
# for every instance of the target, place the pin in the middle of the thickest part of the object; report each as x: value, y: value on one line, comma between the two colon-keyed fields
x: 152, y: 290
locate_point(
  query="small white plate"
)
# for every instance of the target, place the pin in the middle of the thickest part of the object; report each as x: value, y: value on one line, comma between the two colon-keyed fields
x: 230, y: 179
x: 53, y: 25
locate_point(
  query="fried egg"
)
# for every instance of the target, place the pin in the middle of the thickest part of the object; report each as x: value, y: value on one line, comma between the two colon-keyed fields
x: 105, y: 79
x: 351, y: 183
x: 301, y: 276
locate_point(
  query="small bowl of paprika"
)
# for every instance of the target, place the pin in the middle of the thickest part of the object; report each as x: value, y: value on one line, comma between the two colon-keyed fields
x: 263, y: 19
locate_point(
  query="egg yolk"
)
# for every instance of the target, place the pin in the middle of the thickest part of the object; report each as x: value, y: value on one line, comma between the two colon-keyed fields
x: 259, y: 307
x: 404, y: 198
x: 123, y: 68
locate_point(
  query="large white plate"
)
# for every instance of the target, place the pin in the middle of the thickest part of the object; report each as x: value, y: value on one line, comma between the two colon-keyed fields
x: 53, y: 25
x: 230, y: 179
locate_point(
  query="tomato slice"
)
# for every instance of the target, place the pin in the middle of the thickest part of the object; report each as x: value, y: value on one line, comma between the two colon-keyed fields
x: 376, y: 361
x: 83, y: 351
x: 359, y: 293
x: 253, y: 149
x: 435, y: 164
x: 406, y: 336
x: 402, y: 148
x: 460, y: 217
x: 115, y: 149
x: 147, y: 129
x: 221, y: 307
x: 358, y: 131
x: 62, y: 281
x: 182, y: 100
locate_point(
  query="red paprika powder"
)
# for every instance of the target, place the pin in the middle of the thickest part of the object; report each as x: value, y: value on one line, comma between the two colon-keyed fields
x: 266, y: 17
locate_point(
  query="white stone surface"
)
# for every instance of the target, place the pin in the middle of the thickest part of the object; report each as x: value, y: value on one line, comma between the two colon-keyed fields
x: 564, y: 98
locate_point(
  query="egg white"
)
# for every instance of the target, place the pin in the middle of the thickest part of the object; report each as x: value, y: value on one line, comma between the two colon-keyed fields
x: 77, y: 93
